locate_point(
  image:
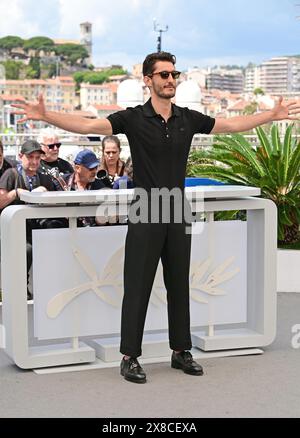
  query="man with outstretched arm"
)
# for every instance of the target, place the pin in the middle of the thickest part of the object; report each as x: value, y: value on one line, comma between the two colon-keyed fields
x: 159, y: 135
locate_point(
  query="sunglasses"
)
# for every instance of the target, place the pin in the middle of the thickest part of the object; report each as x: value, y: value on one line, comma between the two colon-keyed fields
x: 52, y: 145
x: 165, y: 74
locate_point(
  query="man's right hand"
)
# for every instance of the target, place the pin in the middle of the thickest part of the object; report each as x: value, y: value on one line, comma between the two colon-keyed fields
x: 31, y: 110
x: 68, y: 122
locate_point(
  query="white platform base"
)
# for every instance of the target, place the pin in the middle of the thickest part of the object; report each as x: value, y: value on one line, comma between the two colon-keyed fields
x: 107, y: 349
x: 197, y: 354
x: 228, y: 339
x: 61, y: 354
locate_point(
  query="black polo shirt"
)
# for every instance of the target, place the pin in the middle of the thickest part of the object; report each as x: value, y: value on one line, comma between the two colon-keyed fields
x: 60, y: 165
x: 159, y: 150
x: 7, y: 164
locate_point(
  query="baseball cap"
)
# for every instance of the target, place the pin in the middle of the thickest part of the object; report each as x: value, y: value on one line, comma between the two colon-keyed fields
x: 31, y: 146
x: 87, y: 158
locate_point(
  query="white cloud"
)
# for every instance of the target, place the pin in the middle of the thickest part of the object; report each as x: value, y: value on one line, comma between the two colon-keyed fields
x: 106, y: 16
x: 197, y: 33
x: 13, y: 20
x: 73, y: 12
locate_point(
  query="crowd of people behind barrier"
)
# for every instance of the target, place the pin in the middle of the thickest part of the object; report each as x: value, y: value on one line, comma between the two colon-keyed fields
x: 39, y: 168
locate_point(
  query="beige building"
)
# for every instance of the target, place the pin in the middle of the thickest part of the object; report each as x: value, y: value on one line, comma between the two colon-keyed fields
x: 198, y: 75
x: 137, y: 71
x: 275, y: 76
x: 97, y: 94
x: 103, y: 111
x: 59, y: 93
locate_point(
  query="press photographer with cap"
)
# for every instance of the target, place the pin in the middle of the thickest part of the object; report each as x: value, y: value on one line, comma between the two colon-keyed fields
x: 85, y: 170
x: 25, y: 177
x: 84, y: 178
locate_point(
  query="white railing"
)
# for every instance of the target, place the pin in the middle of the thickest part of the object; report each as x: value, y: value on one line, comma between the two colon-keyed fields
x: 12, y: 142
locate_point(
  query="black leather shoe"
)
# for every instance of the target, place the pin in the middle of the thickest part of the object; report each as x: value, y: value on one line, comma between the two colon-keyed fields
x: 184, y: 361
x: 132, y: 370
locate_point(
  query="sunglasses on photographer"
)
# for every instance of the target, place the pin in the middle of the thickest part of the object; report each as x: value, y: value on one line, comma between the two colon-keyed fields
x: 165, y: 74
x: 52, y: 145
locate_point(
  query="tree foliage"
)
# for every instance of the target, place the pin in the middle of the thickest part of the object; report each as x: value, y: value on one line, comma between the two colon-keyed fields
x: 39, y: 43
x: 33, y: 71
x: 92, y: 77
x: 72, y: 52
x: 258, y: 92
x: 52, y: 70
x: 251, y: 108
x: 10, y: 42
x: 69, y: 53
x: 12, y: 69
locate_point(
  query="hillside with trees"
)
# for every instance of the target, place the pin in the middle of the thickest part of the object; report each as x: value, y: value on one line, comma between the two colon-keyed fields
x: 38, y: 57
x: 97, y: 78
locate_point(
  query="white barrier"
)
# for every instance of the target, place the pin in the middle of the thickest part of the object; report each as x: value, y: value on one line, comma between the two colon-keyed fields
x: 237, y: 257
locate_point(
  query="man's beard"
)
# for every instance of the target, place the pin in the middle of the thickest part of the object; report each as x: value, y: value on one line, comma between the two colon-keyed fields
x: 162, y: 93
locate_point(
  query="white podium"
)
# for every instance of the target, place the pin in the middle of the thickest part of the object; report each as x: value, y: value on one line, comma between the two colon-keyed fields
x: 233, y: 288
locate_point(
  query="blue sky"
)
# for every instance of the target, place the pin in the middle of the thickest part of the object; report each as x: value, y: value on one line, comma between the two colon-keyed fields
x: 201, y: 32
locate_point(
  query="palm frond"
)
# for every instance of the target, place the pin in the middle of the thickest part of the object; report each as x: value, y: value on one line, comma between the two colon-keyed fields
x: 264, y: 141
x: 273, y: 165
x: 277, y: 146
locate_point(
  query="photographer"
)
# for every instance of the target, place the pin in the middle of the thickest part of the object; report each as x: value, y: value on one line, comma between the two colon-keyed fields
x: 25, y: 177
x: 84, y: 178
x: 5, y: 163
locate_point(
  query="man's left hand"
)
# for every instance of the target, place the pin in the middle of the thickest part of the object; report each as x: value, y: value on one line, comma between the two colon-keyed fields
x: 286, y: 110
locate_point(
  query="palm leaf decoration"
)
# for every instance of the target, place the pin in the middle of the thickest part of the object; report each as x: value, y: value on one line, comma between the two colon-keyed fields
x: 273, y: 165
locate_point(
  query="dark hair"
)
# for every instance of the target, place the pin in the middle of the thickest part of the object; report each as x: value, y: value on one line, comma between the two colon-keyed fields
x: 151, y: 59
x: 1, y: 146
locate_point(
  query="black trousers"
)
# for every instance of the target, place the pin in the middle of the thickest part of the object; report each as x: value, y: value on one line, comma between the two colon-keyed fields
x: 145, y: 244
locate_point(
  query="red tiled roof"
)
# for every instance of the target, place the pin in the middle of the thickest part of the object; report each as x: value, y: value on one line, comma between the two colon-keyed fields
x: 35, y: 81
x: 10, y: 81
x: 113, y: 86
x: 12, y: 97
x: 65, y: 78
x: 58, y: 80
x: 107, y: 107
x: 96, y: 86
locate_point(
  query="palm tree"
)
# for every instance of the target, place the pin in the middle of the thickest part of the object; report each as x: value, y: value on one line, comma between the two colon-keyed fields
x: 273, y: 165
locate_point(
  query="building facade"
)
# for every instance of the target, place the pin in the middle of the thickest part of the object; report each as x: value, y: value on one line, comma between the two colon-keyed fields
x: 59, y: 93
x: 90, y: 94
x: 281, y: 74
x: 252, y: 78
x: 223, y: 79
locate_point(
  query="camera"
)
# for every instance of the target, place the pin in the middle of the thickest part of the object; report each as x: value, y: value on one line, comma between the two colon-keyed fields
x: 104, y: 177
